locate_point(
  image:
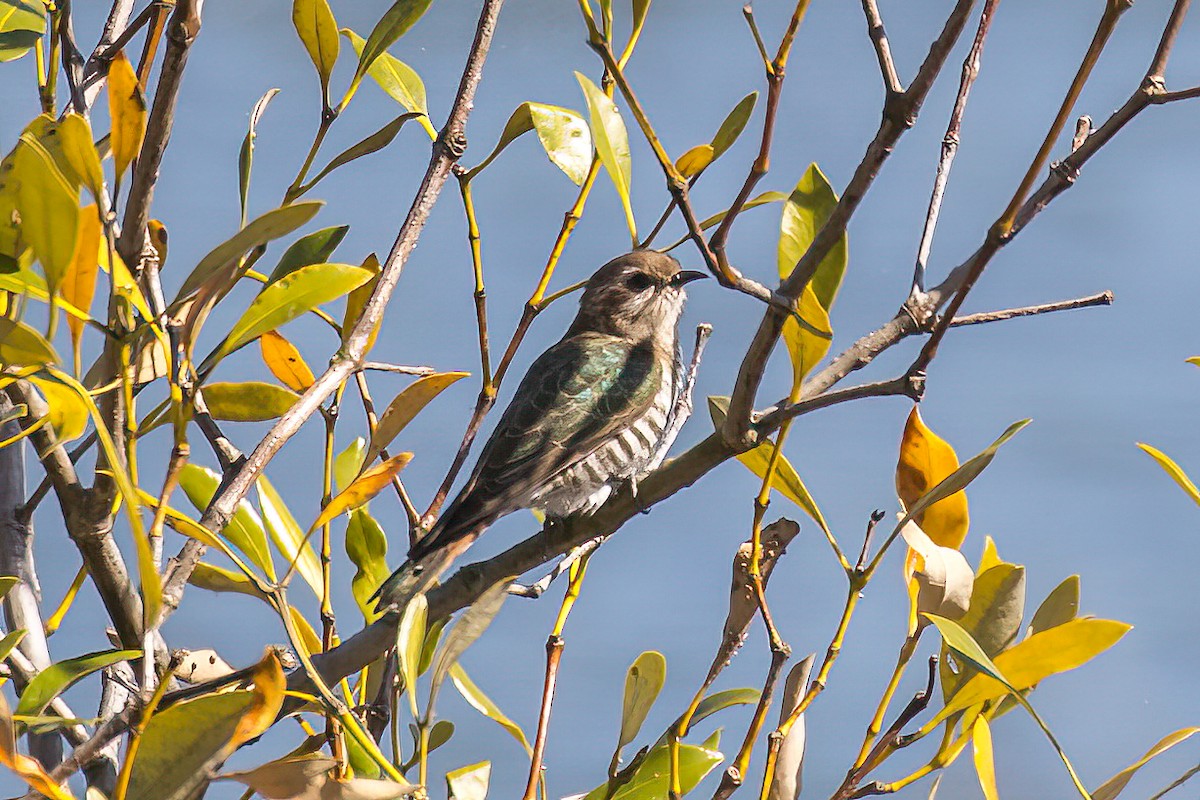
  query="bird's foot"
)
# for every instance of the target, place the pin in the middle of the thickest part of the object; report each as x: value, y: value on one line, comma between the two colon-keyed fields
x: 637, y: 503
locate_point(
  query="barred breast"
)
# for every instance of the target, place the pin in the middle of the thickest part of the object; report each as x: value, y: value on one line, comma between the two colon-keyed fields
x: 637, y: 449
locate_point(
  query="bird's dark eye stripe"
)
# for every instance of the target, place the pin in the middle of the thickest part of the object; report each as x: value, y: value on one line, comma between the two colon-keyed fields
x: 639, y: 281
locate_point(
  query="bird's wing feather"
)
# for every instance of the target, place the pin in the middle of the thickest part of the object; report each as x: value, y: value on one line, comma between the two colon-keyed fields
x: 575, y: 397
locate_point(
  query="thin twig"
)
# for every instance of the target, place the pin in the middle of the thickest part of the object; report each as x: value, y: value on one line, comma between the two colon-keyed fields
x: 1104, y: 298
x: 970, y: 71
x: 883, y: 50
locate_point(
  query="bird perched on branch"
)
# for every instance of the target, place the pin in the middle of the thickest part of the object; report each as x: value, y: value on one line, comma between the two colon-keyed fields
x: 594, y: 411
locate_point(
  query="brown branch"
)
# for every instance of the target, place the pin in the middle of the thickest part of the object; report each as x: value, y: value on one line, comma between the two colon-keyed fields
x: 970, y: 71
x: 1102, y: 299
x: 182, y: 30
x: 554, y: 648
x: 900, y: 113
x: 447, y: 150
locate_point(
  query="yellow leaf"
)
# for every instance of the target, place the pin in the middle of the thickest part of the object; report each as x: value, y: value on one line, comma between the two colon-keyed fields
x: 925, y: 461
x: 79, y: 284
x: 285, y: 361
x: 75, y: 138
x: 363, y: 488
x: 127, y: 107
x: 1172, y: 469
x: 694, y: 160
x: 985, y: 764
x: 990, y: 557
x: 68, y: 414
x: 122, y: 278
x: 787, y: 480
x: 1114, y: 785
x: 1050, y: 652
x: 406, y: 406
x: 28, y: 768
x: 805, y: 348
x: 357, y: 299
x: 318, y: 32
x: 49, y: 209
x: 308, y: 637
x: 21, y: 345
x: 269, y: 684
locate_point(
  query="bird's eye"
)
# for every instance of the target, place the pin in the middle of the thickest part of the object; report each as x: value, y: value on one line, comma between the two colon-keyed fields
x: 639, y: 281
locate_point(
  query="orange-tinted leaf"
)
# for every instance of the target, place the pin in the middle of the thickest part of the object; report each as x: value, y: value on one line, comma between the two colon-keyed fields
x: 364, y: 487
x: 406, y: 406
x: 79, y: 284
x: 285, y: 361
x: 925, y: 461
x: 27, y: 768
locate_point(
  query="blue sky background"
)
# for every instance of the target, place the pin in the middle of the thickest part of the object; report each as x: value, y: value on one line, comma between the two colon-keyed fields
x: 1071, y: 494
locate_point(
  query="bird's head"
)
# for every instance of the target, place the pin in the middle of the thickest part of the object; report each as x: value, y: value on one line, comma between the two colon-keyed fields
x: 639, y: 295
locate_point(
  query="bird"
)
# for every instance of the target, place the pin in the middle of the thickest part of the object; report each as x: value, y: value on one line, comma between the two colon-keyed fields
x: 594, y: 411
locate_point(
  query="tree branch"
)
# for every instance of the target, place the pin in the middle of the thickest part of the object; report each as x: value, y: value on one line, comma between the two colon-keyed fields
x: 446, y: 151
x: 900, y: 114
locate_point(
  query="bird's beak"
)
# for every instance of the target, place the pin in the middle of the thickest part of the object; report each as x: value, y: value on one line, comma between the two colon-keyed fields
x: 687, y: 276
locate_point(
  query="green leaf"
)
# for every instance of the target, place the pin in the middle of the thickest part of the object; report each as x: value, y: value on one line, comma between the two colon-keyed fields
x: 643, y: 682
x: 562, y: 132
x: 653, y: 777
x: 49, y: 209
x: 294, y: 294
x: 287, y: 535
x: 611, y: 141
x: 375, y: 142
x: 1171, y: 468
x: 21, y: 345
x: 1060, y: 606
x: 1117, y: 783
x: 959, y: 479
x: 318, y: 32
x: 57, y: 678
x: 10, y: 641
x: 366, y: 545
x: 787, y: 480
x: 271, y: 225
x: 6, y: 585
x: 349, y: 463
x: 245, y: 528
x: 467, y: 628
x: 179, y: 741
x: 410, y: 636
x: 733, y: 125
x: 470, y: 782
x: 993, y: 618
x: 484, y: 705
x: 22, y: 23
x: 961, y: 643
x: 394, y: 23
x: 252, y: 401
x: 75, y: 139
x: 395, y: 77
x: 246, y: 153
x: 313, y: 248
x: 806, y: 210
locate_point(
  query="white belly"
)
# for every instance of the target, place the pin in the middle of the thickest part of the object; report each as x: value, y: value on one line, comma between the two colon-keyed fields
x: 639, y: 448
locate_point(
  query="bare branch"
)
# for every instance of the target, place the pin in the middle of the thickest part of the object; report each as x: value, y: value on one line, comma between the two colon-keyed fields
x: 900, y: 114
x: 970, y: 71
x: 1104, y: 298
x: 182, y: 30
x: 883, y: 50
